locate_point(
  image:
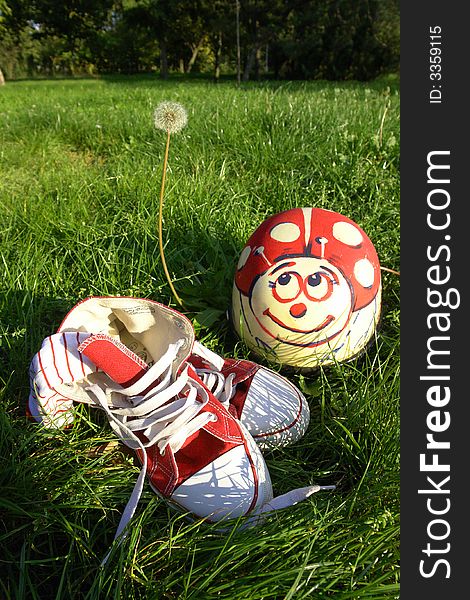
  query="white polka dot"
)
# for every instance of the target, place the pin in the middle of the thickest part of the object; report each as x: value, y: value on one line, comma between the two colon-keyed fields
x: 364, y: 272
x: 347, y: 233
x: 244, y: 257
x: 285, y: 232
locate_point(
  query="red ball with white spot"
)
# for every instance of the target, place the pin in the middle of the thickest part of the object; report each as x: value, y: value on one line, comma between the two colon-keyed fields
x: 307, y: 288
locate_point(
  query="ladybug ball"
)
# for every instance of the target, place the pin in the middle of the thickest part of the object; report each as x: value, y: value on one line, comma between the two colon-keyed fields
x: 307, y: 289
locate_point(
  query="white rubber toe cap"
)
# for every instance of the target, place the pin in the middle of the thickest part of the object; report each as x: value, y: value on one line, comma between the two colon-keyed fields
x: 275, y: 412
x: 234, y: 484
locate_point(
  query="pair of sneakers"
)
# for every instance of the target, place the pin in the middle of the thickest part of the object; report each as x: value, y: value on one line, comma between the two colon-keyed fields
x: 196, y: 421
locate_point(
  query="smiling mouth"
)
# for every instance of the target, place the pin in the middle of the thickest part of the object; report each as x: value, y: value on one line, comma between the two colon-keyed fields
x: 273, y: 318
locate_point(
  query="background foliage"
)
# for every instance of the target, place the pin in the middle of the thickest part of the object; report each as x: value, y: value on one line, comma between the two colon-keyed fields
x: 315, y: 39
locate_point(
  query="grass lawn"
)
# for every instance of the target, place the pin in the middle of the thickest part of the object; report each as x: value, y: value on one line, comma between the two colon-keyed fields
x: 79, y: 184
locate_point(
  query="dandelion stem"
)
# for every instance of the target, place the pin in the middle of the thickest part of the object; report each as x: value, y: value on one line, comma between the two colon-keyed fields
x: 160, y: 221
x: 390, y: 270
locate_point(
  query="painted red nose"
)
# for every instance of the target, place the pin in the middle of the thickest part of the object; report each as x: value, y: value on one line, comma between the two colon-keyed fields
x: 298, y: 310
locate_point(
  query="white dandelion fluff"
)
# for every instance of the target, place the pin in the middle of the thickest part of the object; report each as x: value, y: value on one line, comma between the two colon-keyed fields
x: 170, y: 117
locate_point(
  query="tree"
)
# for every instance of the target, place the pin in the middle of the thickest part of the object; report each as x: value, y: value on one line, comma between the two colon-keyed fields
x: 237, y: 8
x: 77, y: 23
x: 178, y: 26
x: 262, y: 23
x: 12, y: 23
x: 337, y: 39
x: 329, y: 39
x: 4, y: 12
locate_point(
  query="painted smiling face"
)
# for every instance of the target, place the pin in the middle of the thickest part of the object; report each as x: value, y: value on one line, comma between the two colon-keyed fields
x: 299, y: 299
x: 307, y: 288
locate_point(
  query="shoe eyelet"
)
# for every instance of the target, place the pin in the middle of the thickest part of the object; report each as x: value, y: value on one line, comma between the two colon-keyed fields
x: 214, y: 418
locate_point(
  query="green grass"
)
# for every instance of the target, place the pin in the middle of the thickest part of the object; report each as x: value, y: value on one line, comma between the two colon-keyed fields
x: 80, y: 175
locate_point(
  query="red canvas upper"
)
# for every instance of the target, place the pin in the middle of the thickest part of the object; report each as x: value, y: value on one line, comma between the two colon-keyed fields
x: 168, y: 470
x: 244, y: 371
x: 114, y: 358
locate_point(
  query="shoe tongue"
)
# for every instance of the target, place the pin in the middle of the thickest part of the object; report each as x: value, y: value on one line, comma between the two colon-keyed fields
x: 114, y: 358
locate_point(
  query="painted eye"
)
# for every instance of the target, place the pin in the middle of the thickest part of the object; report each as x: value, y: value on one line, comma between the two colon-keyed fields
x: 319, y: 286
x: 287, y: 287
x: 314, y: 280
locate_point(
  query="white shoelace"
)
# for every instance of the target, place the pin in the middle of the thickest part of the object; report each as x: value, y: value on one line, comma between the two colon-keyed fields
x: 171, y: 424
x: 222, y: 387
x: 162, y: 424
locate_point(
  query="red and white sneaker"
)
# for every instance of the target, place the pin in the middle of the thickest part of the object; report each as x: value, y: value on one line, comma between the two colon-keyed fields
x: 129, y: 357
x: 270, y: 407
x: 273, y: 410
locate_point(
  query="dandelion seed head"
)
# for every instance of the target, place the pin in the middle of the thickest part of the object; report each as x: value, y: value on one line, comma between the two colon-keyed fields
x: 170, y: 117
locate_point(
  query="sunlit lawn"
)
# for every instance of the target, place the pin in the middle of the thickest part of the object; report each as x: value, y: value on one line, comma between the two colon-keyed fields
x: 80, y: 171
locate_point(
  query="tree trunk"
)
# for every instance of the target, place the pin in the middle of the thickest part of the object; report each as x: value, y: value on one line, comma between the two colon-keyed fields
x: 250, y: 63
x: 218, y: 56
x: 237, y: 7
x: 257, y: 62
x: 163, y: 61
x: 2, y: 78
x: 195, y: 50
